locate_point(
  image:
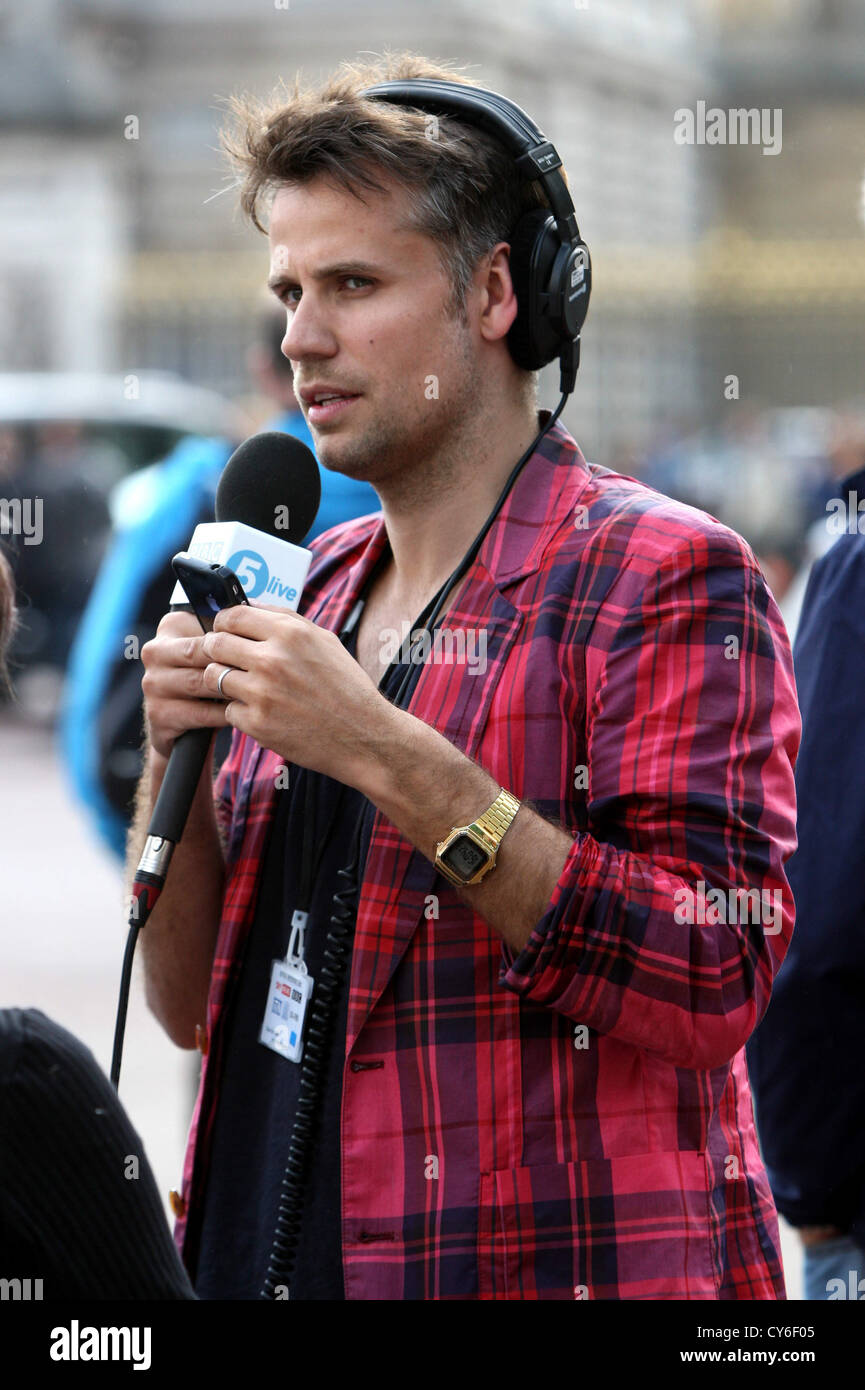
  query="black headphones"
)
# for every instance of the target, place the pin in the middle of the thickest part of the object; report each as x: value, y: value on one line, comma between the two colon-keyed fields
x: 549, y: 260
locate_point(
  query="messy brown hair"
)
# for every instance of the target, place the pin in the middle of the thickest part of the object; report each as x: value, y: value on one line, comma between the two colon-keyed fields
x: 466, y: 193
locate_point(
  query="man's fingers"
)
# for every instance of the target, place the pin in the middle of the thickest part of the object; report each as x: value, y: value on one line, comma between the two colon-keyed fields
x: 175, y: 651
x: 202, y: 715
x: 179, y: 625
x: 175, y: 682
x: 226, y: 649
x: 236, y: 684
x: 256, y: 621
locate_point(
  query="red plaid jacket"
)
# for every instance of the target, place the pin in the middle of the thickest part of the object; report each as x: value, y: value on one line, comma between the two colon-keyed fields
x: 575, y: 1122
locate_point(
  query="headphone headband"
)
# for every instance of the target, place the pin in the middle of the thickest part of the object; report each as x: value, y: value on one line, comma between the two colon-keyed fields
x: 550, y: 264
x: 535, y: 156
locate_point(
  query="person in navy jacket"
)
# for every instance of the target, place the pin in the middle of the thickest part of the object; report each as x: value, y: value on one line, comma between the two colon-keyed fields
x: 804, y: 1060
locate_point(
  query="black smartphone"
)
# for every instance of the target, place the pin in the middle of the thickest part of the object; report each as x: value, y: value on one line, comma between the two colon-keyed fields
x: 209, y: 587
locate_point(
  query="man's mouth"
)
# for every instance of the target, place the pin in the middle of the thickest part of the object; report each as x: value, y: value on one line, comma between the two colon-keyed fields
x: 328, y: 404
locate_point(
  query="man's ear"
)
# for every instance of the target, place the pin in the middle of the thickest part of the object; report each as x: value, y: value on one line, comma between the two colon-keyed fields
x: 498, y: 304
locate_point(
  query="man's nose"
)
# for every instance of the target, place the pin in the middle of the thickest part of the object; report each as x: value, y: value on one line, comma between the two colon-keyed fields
x: 307, y: 333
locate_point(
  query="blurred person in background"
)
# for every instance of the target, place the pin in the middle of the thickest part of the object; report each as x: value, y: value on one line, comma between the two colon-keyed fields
x: 780, y: 558
x: 805, y: 1058
x: 80, y: 1212
x: 71, y: 474
x: 845, y: 456
x: 155, y: 512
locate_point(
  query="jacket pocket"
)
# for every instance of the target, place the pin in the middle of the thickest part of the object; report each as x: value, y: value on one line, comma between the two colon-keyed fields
x: 636, y: 1227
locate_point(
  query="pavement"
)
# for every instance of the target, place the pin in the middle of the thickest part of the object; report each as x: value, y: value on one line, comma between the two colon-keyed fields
x: 63, y: 932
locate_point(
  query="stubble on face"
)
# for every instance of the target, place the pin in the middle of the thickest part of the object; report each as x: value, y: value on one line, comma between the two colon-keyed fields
x: 418, y: 450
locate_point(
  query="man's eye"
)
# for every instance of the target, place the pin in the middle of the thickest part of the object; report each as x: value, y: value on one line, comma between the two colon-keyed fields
x: 291, y: 296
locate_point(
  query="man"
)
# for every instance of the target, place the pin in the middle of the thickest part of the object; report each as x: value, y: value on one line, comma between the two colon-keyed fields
x: 537, y: 1087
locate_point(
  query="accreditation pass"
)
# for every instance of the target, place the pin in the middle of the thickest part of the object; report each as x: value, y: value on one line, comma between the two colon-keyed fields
x: 287, y: 999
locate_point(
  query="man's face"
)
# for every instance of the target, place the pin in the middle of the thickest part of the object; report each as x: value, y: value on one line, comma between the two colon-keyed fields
x: 367, y: 316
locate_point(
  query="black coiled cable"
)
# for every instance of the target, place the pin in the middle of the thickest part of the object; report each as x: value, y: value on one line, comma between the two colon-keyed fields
x: 316, y: 1050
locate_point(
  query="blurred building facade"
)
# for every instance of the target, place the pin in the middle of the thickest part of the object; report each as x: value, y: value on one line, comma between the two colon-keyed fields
x: 122, y: 247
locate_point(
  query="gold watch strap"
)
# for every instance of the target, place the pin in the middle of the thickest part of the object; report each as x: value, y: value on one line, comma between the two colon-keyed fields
x: 498, y: 817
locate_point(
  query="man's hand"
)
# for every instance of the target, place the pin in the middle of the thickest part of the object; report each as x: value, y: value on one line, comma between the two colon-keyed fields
x: 296, y: 690
x: 175, y: 695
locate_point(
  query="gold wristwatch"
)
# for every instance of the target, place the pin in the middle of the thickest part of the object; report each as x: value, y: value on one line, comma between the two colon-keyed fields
x: 469, y: 852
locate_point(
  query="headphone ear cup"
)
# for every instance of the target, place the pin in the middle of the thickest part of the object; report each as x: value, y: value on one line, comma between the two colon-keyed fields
x: 532, y: 339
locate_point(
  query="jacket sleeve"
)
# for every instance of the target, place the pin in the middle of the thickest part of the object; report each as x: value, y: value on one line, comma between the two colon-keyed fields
x: 692, y: 728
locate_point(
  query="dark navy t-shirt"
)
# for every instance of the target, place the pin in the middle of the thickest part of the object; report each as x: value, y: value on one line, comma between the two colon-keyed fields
x: 259, y: 1089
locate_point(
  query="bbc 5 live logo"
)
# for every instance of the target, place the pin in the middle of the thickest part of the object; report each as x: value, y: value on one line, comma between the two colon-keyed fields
x: 251, y: 568
x: 254, y: 574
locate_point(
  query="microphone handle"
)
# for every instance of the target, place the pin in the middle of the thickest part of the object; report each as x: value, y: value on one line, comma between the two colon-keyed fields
x: 170, y: 813
x: 179, y: 785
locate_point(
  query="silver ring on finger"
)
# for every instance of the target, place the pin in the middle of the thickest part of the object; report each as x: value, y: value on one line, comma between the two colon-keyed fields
x: 221, y: 679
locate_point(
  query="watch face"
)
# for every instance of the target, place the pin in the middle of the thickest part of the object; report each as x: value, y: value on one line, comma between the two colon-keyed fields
x: 464, y: 857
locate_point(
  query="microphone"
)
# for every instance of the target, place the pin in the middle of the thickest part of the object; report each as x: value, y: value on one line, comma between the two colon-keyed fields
x: 267, y: 500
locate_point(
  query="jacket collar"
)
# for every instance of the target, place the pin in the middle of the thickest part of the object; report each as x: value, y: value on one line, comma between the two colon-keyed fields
x: 539, y: 501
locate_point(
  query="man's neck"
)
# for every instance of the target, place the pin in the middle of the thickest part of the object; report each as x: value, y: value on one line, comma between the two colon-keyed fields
x: 430, y: 529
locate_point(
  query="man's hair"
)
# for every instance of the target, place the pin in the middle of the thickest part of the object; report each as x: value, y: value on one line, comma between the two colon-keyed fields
x: 466, y: 193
